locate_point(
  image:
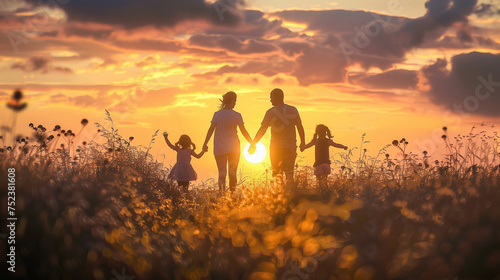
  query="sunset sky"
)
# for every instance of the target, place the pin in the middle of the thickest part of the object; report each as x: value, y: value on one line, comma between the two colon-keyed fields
x: 390, y: 69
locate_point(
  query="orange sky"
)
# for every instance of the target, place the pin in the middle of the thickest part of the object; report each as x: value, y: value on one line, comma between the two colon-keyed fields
x: 390, y: 69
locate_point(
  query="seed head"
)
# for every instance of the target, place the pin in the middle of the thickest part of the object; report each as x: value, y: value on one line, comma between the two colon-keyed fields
x: 84, y: 122
x: 395, y: 143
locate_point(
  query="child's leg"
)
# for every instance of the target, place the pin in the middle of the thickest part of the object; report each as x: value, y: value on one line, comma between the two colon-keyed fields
x: 322, y: 178
x: 184, y: 185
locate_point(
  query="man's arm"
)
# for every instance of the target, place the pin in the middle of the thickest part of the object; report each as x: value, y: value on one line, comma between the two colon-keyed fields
x: 260, y: 133
x: 300, y: 129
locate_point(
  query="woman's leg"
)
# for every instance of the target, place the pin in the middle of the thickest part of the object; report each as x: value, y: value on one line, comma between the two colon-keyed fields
x: 233, y: 159
x: 222, y: 166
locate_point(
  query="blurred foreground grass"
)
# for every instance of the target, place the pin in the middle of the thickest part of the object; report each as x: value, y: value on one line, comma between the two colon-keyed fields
x: 107, y: 211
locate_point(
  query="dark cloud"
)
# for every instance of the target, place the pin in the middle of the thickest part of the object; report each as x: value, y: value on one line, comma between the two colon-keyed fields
x: 231, y: 43
x: 320, y: 65
x: 485, y: 9
x: 272, y: 66
x: 41, y: 64
x: 96, y: 34
x: 393, y: 79
x: 472, y: 86
x: 160, y: 13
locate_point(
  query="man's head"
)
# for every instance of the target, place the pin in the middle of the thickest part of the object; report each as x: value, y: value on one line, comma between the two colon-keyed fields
x: 277, y: 97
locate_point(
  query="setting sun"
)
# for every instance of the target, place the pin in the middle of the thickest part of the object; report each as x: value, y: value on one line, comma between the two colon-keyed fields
x: 258, y: 156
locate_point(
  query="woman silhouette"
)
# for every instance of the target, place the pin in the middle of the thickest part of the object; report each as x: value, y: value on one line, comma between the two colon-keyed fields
x: 226, y: 142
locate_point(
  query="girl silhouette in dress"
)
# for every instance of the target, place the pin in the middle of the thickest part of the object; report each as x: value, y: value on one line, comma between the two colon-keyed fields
x: 322, y: 141
x: 183, y: 172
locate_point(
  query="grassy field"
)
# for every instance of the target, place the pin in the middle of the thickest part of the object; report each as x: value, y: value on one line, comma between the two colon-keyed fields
x: 107, y: 211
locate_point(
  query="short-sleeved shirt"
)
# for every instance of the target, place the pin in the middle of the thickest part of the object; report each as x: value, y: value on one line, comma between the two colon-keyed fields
x: 282, y: 120
x: 226, y: 136
x: 322, y: 151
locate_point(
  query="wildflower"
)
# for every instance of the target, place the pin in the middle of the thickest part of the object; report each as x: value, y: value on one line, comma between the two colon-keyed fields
x: 57, y: 127
x: 77, y: 150
x: 62, y: 146
x: 131, y: 138
x: 84, y: 143
x: 406, y: 142
x: 425, y: 152
x: 402, y: 140
x: 58, y: 134
x: 31, y: 125
x: 387, y: 155
x: 110, y: 150
x: 23, y: 140
x: 395, y: 143
x: 444, y: 136
x: 63, y: 131
x: 69, y: 131
x: 15, y: 101
x: 84, y: 122
x: 445, y: 128
x: 9, y: 148
x: 98, y: 130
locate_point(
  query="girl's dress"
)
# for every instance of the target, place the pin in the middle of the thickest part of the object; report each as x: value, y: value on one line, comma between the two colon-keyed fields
x: 322, y: 153
x: 182, y: 170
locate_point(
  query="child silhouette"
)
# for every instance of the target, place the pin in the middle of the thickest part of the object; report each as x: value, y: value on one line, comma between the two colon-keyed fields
x: 183, y: 171
x: 322, y: 141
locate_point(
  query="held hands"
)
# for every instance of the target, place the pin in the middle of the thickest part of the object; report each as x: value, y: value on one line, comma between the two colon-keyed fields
x: 252, y: 148
x: 205, y: 148
x: 302, y: 147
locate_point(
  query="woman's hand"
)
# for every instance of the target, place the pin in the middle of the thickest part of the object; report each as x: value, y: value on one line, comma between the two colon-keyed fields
x: 205, y: 148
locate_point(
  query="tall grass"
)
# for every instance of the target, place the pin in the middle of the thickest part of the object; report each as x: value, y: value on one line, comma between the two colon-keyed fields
x: 88, y: 210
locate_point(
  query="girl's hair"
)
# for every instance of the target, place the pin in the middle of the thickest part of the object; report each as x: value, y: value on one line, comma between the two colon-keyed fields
x: 322, y: 129
x: 227, y: 99
x: 185, y: 142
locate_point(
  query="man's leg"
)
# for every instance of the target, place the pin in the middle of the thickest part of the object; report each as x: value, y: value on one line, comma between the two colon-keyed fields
x: 233, y: 160
x: 276, y: 163
x: 222, y: 167
x: 289, y: 156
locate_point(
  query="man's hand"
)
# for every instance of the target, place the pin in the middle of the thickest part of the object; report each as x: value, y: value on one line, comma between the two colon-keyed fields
x: 205, y: 148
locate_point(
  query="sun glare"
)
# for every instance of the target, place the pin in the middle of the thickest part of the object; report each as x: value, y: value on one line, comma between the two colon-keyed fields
x: 258, y: 156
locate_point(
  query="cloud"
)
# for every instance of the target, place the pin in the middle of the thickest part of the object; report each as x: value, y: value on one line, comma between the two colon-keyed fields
x: 42, y: 64
x: 271, y: 66
x: 131, y: 14
x: 471, y: 86
x: 231, y: 43
x: 393, y: 79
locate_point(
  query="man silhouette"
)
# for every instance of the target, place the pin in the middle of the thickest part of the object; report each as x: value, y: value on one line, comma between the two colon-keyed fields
x: 282, y: 119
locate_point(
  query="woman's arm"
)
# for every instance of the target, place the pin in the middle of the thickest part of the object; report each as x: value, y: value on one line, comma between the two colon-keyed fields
x: 209, y: 135
x: 245, y: 133
x: 173, y: 147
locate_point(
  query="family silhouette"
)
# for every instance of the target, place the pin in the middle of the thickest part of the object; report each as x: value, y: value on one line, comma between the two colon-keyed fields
x: 283, y: 119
